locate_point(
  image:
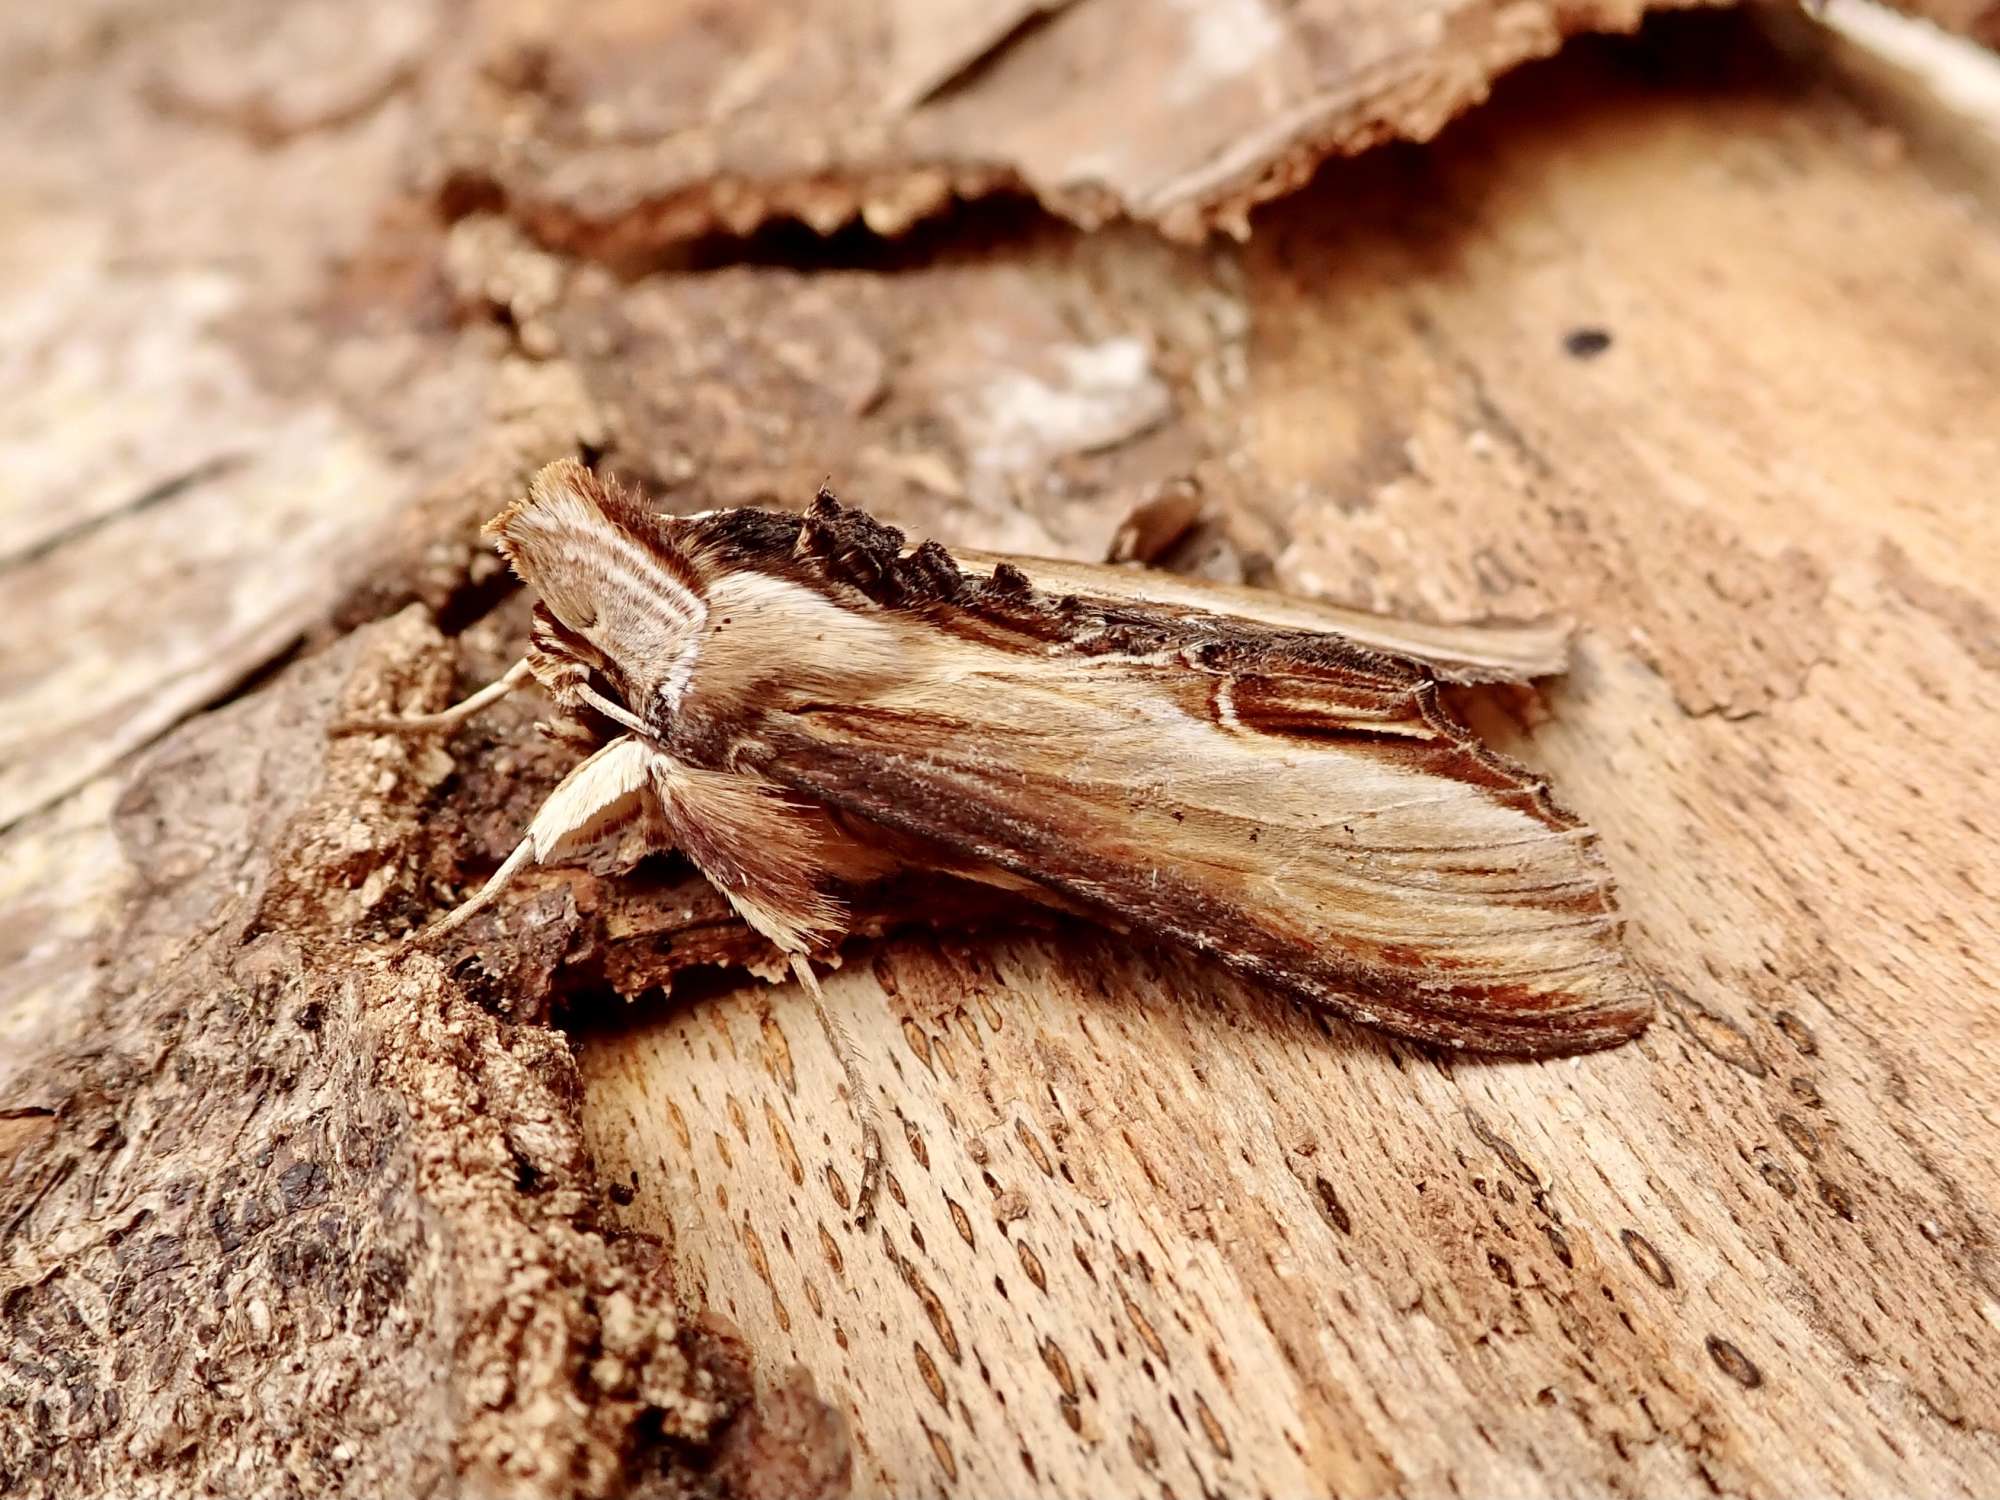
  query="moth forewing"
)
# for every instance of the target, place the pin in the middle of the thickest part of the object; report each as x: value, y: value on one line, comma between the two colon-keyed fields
x: 1297, y: 803
x: 1403, y: 878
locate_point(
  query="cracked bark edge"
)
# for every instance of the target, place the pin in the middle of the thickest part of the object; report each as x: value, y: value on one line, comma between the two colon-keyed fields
x: 982, y: 131
x: 270, y: 1144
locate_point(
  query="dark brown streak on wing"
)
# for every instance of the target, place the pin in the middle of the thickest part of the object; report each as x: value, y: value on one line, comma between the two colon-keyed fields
x: 1486, y: 651
x: 1293, y: 687
x: 1412, y: 998
x: 854, y: 558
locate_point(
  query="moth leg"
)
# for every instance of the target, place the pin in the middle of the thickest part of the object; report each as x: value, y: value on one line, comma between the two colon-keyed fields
x: 857, y: 1096
x: 458, y: 713
x: 600, y: 794
x: 478, y: 901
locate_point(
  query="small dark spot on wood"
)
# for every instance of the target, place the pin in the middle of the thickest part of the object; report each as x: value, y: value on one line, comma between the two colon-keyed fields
x: 1493, y: 1142
x: 1835, y: 1197
x: 1586, y: 343
x: 1217, y: 1438
x: 1144, y: 1328
x: 933, y: 1380
x: 941, y: 1450
x: 1331, y: 1206
x: 1144, y: 1450
x: 1734, y: 1363
x: 1058, y: 1366
x: 1031, y: 1264
x: 1033, y: 1145
x: 621, y: 1193
x: 1501, y: 1268
x: 1800, y: 1135
x: 1778, y: 1178
x: 1713, y: 1032
x: 1647, y: 1258
x: 1806, y: 1092
x: 1560, y: 1245
x: 1796, y: 1032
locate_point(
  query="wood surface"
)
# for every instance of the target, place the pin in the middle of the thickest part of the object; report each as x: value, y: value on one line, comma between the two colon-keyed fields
x: 1690, y: 337
x: 1148, y: 1231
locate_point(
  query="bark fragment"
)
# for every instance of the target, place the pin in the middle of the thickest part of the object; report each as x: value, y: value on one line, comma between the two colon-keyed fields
x: 624, y: 130
x: 294, y: 1210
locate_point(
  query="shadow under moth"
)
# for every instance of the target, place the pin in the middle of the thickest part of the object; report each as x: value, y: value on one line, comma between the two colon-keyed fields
x: 799, y: 704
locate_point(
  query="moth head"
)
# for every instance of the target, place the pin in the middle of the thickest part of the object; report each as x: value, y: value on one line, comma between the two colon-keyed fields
x: 629, y: 602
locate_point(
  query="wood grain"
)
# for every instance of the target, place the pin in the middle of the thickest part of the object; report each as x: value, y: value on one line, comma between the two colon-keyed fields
x: 1689, y: 337
x: 1148, y: 1229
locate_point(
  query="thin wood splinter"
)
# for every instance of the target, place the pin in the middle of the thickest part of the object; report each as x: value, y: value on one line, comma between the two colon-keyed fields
x: 804, y: 704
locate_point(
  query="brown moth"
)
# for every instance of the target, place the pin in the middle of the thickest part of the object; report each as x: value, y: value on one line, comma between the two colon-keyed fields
x: 802, y: 703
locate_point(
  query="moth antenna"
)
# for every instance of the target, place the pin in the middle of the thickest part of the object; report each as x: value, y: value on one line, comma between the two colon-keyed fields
x: 858, y: 1099
x: 474, y: 904
x: 458, y: 713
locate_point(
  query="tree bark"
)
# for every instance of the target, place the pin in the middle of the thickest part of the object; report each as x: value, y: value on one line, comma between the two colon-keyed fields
x: 1687, y: 337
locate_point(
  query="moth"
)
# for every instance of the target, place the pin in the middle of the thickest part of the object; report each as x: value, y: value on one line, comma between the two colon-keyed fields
x: 802, y: 703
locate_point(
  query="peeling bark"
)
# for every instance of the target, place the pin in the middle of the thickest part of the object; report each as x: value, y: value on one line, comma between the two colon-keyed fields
x: 1689, y: 339
x: 295, y: 1223
x: 624, y: 131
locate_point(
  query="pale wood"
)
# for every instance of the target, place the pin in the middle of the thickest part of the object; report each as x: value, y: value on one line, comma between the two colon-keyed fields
x: 1148, y: 1232
x: 275, y: 1220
